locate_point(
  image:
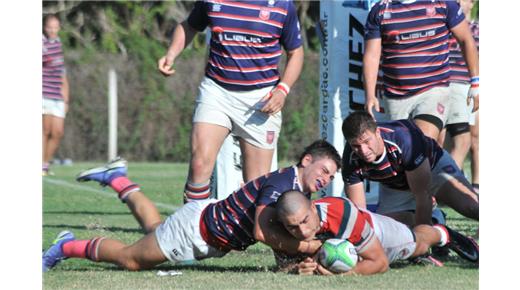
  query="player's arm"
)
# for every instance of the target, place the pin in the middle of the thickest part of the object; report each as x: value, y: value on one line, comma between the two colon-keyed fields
x: 356, y: 193
x: 270, y: 232
x: 276, y: 99
x: 373, y: 260
x: 462, y: 34
x: 419, y: 180
x: 371, y: 59
x: 182, y: 36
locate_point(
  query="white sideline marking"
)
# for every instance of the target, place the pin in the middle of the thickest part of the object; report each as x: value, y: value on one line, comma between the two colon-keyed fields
x: 102, y: 192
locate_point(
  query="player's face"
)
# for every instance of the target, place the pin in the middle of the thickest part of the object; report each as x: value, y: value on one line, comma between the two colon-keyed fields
x: 368, y: 146
x: 304, y: 224
x: 317, y: 173
x: 52, y: 27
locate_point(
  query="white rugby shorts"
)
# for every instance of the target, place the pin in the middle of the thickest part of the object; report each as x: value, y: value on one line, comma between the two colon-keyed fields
x: 458, y: 110
x: 397, y: 239
x: 239, y: 111
x: 179, y: 235
x: 393, y: 200
x: 53, y: 107
x: 434, y: 102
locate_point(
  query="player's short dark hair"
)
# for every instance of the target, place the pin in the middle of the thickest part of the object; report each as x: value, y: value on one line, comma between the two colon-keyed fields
x: 356, y: 123
x: 320, y: 149
x: 290, y: 203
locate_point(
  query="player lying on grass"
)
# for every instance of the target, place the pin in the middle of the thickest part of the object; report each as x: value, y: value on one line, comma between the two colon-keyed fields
x: 202, y: 229
x: 379, y: 240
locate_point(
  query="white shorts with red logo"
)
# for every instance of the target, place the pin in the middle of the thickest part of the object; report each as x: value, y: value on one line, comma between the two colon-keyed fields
x: 179, y: 235
x: 433, y: 102
x: 239, y: 111
x: 397, y: 239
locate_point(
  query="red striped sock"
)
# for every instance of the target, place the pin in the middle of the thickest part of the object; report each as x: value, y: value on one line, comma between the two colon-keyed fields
x: 196, y: 191
x: 124, y: 186
x: 76, y: 248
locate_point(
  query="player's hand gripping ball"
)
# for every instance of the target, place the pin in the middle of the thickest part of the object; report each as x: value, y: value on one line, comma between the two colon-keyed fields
x: 338, y: 255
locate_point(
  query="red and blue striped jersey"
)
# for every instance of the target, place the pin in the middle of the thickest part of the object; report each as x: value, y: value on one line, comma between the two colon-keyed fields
x: 406, y: 147
x: 414, y: 36
x: 341, y: 219
x: 246, y: 40
x: 230, y: 222
x: 459, y: 69
x: 53, y: 68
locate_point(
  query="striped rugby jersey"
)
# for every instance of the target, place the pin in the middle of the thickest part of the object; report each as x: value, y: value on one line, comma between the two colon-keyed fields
x: 459, y: 69
x: 414, y: 36
x: 246, y: 40
x: 229, y: 223
x: 53, y: 68
x: 406, y: 147
x: 341, y: 219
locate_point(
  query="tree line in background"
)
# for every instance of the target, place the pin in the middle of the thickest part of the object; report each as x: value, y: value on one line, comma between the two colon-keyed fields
x: 155, y: 112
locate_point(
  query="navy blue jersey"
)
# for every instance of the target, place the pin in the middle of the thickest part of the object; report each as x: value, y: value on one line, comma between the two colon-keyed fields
x: 406, y: 147
x: 230, y: 222
x: 414, y: 36
x: 246, y: 40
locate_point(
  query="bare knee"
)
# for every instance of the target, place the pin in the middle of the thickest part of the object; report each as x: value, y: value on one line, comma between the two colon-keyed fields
x: 200, y: 165
x: 132, y: 264
x: 57, y: 133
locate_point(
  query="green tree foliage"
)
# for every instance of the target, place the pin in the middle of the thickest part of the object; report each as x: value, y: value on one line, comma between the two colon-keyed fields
x: 154, y: 112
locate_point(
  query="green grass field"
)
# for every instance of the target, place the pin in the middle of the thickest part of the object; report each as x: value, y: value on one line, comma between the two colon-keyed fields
x: 90, y: 210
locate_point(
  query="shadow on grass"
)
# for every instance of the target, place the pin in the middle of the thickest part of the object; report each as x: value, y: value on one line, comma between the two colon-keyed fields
x: 164, y: 213
x: 110, y: 229
x: 104, y: 267
x: 450, y: 262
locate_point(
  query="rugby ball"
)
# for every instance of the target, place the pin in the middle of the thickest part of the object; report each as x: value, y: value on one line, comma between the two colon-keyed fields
x: 338, y: 255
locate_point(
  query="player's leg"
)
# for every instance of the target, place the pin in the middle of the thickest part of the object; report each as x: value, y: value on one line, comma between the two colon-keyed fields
x: 211, y: 125
x: 442, y: 137
x: 54, y: 138
x: 143, y: 254
x: 457, y: 122
x: 427, y: 127
x: 430, y: 111
x: 257, y: 161
x: 427, y: 236
x: 114, y: 174
x: 458, y: 194
x: 450, y: 187
x: 461, y: 145
x: 46, y: 133
x: 474, y: 130
x: 206, y: 140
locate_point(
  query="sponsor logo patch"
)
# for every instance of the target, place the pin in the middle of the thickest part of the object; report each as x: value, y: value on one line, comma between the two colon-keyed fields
x: 440, y: 108
x: 264, y: 14
x: 269, y: 138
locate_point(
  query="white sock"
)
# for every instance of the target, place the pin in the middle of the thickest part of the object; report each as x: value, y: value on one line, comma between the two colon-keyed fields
x: 444, y: 235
